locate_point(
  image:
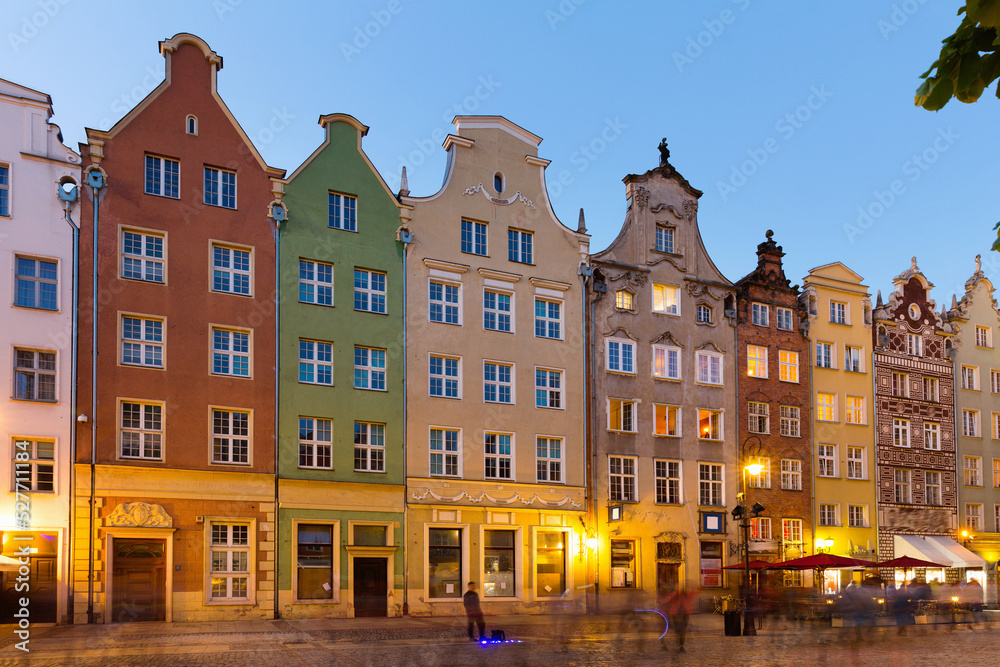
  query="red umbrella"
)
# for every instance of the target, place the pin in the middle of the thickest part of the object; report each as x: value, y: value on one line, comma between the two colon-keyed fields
x: 754, y: 565
x: 908, y: 563
x: 820, y: 562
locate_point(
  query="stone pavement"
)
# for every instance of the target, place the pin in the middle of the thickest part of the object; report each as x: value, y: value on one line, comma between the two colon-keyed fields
x: 540, y: 640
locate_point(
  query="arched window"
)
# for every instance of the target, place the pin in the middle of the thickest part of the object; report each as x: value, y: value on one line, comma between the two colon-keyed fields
x: 498, y: 184
x: 191, y: 125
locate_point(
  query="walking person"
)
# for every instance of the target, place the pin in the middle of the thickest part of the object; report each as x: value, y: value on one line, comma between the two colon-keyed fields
x: 679, y: 613
x: 474, y: 612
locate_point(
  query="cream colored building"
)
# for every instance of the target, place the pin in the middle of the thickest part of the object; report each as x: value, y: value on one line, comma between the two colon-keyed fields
x: 844, y: 473
x: 495, y: 382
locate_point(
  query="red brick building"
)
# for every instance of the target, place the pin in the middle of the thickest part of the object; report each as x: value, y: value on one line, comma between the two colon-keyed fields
x: 184, y: 416
x: 774, y: 407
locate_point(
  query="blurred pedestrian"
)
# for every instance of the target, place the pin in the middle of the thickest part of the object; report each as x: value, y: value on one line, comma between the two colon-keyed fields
x: 679, y: 614
x: 474, y: 612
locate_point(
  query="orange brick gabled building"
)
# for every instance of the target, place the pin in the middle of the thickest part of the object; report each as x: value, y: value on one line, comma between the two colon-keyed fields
x: 181, y: 472
x: 774, y: 409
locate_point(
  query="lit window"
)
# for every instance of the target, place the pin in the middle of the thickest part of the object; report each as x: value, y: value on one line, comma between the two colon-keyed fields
x: 497, y: 311
x: 443, y: 303
x: 901, y: 432
x: 142, y: 256
x: 666, y: 299
x: 315, y: 282
x: 34, y: 466
x: 548, y: 319
x: 315, y: 362
x: 791, y: 474
x: 230, y: 436
x: 623, y: 564
x: 37, y: 284
x: 444, y: 561
x: 142, y: 341
x: 550, y: 563
x: 711, y: 564
x: 710, y: 424
x: 760, y: 314
x: 548, y: 388
x: 620, y: 356
x: 710, y: 481
x: 668, y: 482
x: 369, y: 368
x: 369, y: 447
x: 664, y: 239
x: 163, y: 177
x: 220, y: 187
x: 709, y: 367
x: 230, y: 573
x: 498, y: 383
x: 342, y: 212
x: 667, y: 362
x: 826, y: 407
x: 622, y: 478
x: 791, y: 531
x: 474, y: 237
x: 788, y: 366
x: 444, y: 374
x: 623, y: 300
x: 34, y: 375
x: 933, y: 483
x: 932, y: 435
x: 369, y: 291
x: 444, y: 452
x: 827, y: 456
x: 230, y: 352
x: 497, y: 450
x: 854, y: 409
x: 760, y: 529
x: 838, y: 312
x: 499, y: 558
x: 790, y: 421
x: 548, y: 459
x: 621, y: 415
x: 315, y: 443
x: 759, y: 417
x: 519, y: 246
x: 785, y: 318
x: 855, y: 463
x: 141, y: 430
x: 666, y: 420
x: 230, y: 270
x: 762, y: 480
x: 757, y: 361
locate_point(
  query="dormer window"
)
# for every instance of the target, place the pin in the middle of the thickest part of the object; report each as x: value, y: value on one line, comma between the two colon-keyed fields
x: 704, y: 314
x: 664, y: 239
x: 191, y: 125
x: 623, y: 300
x: 498, y: 183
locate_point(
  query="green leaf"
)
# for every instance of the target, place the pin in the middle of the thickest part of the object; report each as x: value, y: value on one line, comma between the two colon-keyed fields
x: 968, y: 71
x: 940, y: 94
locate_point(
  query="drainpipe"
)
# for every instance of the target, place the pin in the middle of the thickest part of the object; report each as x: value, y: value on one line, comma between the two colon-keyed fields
x: 406, y: 238
x: 590, y: 337
x: 96, y: 181
x: 278, y: 214
x: 69, y: 197
x: 585, y: 272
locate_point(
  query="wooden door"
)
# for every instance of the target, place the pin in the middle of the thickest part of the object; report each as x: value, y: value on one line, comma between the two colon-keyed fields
x: 371, y: 587
x: 42, y: 592
x: 667, y: 575
x: 139, y: 581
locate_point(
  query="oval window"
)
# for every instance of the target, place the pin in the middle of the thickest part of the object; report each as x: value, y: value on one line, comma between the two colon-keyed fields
x: 498, y: 183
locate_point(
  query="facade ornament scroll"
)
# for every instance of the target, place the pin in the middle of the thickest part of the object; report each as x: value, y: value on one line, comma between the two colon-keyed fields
x: 642, y: 197
x: 517, y: 196
x: 690, y: 209
x: 637, y: 278
x: 669, y: 208
x: 140, y: 515
x: 517, y: 497
x: 670, y: 260
x: 697, y: 289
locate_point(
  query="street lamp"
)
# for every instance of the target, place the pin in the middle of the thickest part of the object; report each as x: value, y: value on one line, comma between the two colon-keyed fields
x: 742, y: 514
x: 823, y: 546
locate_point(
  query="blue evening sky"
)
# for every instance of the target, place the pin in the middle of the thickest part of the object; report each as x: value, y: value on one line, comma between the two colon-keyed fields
x: 789, y: 116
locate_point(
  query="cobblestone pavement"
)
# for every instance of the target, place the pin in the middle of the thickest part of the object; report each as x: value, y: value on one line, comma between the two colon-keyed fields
x: 601, y: 640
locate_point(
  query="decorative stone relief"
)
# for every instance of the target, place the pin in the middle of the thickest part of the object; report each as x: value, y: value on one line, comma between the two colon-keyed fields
x: 140, y: 515
x: 499, y: 501
x: 669, y: 208
x: 517, y: 196
x: 641, y: 196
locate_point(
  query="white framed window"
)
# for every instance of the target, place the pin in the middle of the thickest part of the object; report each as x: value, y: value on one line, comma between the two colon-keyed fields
x: 791, y: 474
x: 932, y: 390
x: 142, y: 341
x: 760, y: 529
x: 666, y: 362
x: 143, y: 255
x: 4, y: 191
x: 709, y: 365
x: 709, y: 424
x: 667, y: 475
x: 785, y: 318
x: 791, y: 531
x: 621, y: 415
x: 548, y: 319
x: 369, y: 447
x: 141, y: 433
x: 369, y: 368
x: 519, y: 246
x: 828, y: 514
x: 970, y: 378
x: 231, y: 270
x: 901, y: 432
x: 34, y: 375
x: 623, y: 300
x: 914, y: 345
x: 757, y: 361
x: 501, y: 558
x: 37, y: 283
x: 162, y: 177
x: 548, y: 459
x: 220, y: 187
x: 900, y: 387
x: 474, y: 238
x: 315, y: 362
x: 230, y: 573
x: 664, y: 241
x: 995, y: 381
x: 760, y: 314
x: 369, y: 291
x: 996, y: 425
x: 710, y: 485
x: 548, y: 388
x: 970, y: 424
x: 315, y: 282
x: 984, y: 336
x: 932, y: 435
x: 996, y: 473
x: 444, y: 374
x: 762, y: 480
x: 901, y: 485
x: 230, y: 436
x: 666, y: 420
x: 498, y: 382
x: 827, y: 457
x: 824, y: 355
x: 974, y: 516
x: 315, y: 443
x: 499, y: 455
x: 852, y: 359
x: 857, y: 516
x: 703, y: 314
x: 759, y: 416
x: 230, y: 352
x: 666, y: 299
x: 973, y: 470
x: 855, y: 462
x: 620, y: 356
x: 826, y: 407
x: 447, y: 562
x: 342, y: 212
x: 621, y: 478
x: 498, y: 311
x: 854, y: 409
x: 932, y: 480
x: 838, y: 312
x: 445, y: 445
x: 33, y: 463
x: 788, y: 366
x: 790, y: 421
x: 443, y: 302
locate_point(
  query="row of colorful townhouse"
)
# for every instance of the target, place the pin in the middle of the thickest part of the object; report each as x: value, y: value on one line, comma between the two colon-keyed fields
x: 236, y: 394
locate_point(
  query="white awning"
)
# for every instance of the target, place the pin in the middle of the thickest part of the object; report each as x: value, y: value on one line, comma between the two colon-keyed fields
x: 960, y: 556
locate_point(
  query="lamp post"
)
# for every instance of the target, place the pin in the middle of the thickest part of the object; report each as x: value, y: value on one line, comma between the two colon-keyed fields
x: 749, y: 449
